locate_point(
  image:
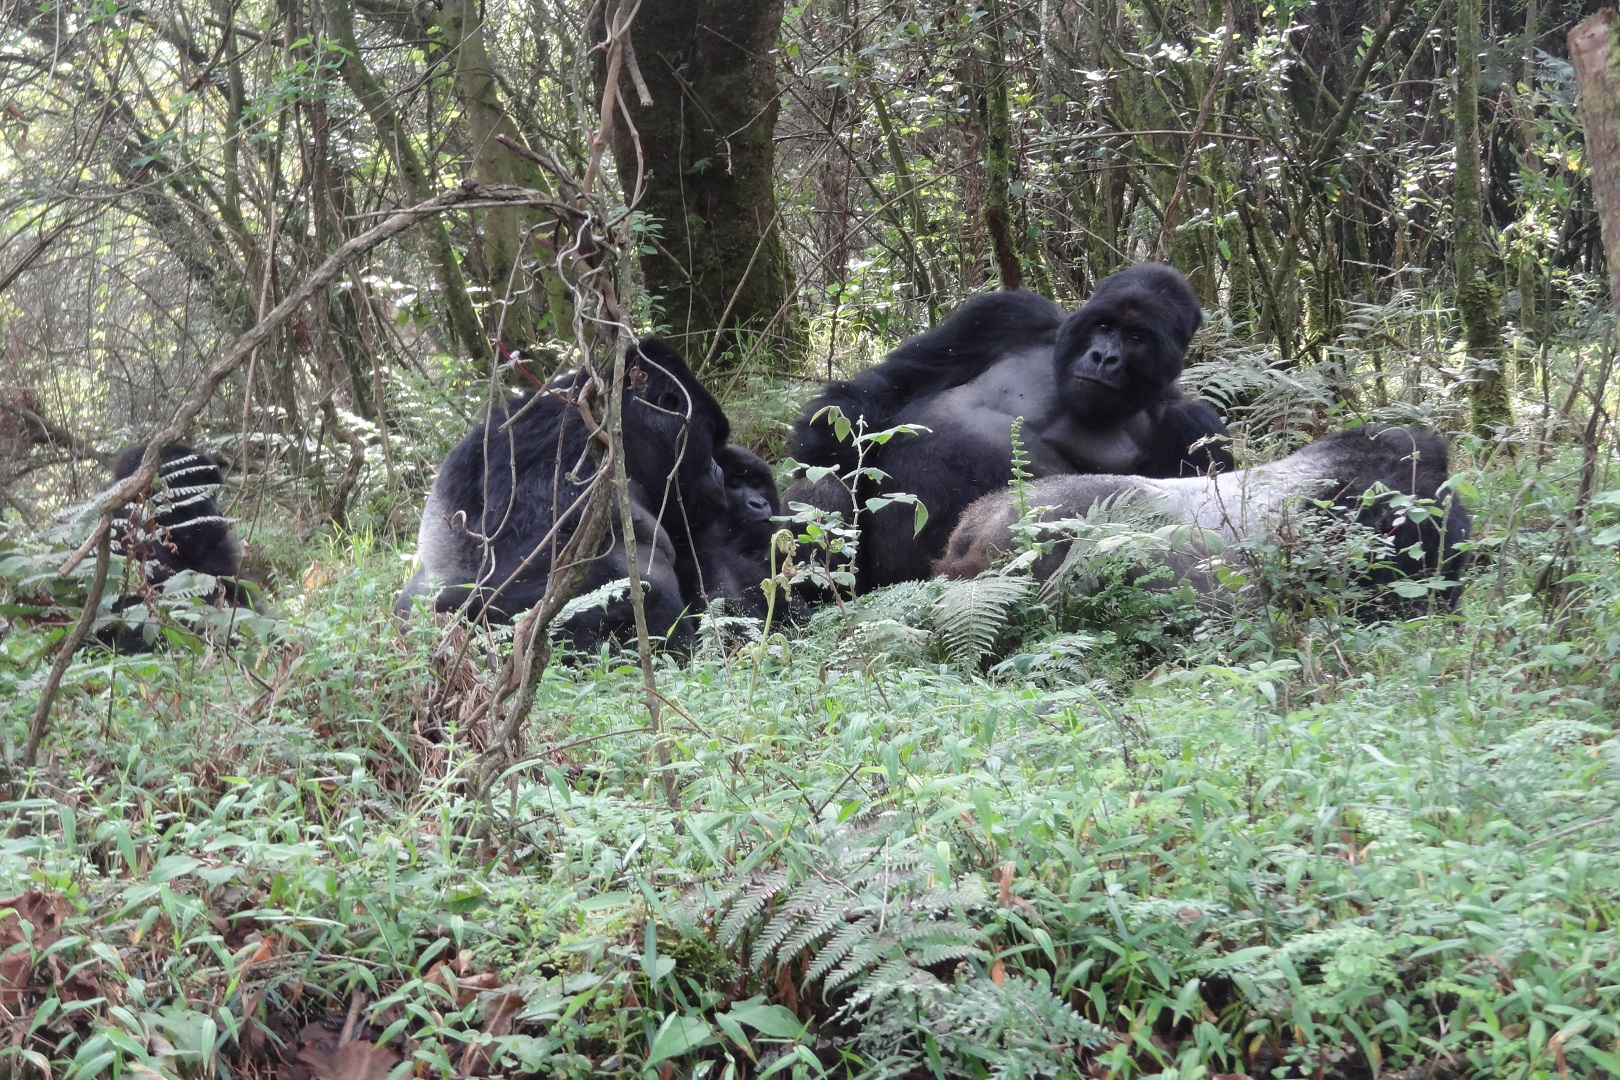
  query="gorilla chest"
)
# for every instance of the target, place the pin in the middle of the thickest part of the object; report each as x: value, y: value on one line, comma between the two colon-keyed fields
x: 1072, y: 447
x: 973, y: 423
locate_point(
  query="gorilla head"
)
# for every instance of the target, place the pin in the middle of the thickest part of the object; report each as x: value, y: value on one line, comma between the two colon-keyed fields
x: 670, y: 416
x: 732, y: 554
x: 1127, y: 344
x: 751, y: 496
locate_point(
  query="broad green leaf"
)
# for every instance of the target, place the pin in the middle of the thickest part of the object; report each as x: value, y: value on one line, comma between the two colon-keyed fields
x: 777, y: 1021
x: 679, y: 1035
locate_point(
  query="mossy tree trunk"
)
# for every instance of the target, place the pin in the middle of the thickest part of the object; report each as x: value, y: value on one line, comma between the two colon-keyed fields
x: 1477, y: 296
x: 1597, y: 77
x: 701, y: 150
x: 522, y: 316
x: 998, y: 210
x: 378, y: 101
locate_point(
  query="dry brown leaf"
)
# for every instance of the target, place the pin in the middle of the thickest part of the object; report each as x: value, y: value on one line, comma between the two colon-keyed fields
x: 1006, y: 879
x: 998, y: 972
x: 43, y: 912
x: 462, y: 987
x: 500, y: 1010
x: 358, y: 1060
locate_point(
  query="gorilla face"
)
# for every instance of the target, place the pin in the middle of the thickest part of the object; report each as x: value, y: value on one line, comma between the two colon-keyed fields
x: 1127, y: 345
x: 751, y: 497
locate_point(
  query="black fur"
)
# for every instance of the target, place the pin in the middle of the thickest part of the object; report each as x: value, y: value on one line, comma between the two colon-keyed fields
x: 191, y: 533
x: 1097, y: 392
x: 178, y: 527
x: 981, y: 332
x: 505, y: 486
x: 733, y: 553
x: 1339, y: 469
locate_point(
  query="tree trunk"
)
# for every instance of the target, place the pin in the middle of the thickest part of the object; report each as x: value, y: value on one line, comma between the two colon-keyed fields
x: 1597, y: 78
x: 525, y: 315
x: 998, y: 216
x: 1476, y: 293
x: 378, y: 102
x: 699, y: 152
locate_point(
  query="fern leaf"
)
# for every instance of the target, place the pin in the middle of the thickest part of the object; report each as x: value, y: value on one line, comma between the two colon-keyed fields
x: 812, y: 929
x: 861, y: 958
x: 828, y: 956
x: 749, y: 905
x: 969, y: 614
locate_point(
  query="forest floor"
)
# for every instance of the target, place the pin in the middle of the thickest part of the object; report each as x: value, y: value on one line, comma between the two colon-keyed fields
x: 1280, y: 845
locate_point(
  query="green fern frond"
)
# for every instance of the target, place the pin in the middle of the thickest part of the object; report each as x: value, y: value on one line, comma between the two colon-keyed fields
x: 861, y: 959
x: 751, y: 900
x: 892, y: 976
x: 969, y: 614
x: 839, y: 947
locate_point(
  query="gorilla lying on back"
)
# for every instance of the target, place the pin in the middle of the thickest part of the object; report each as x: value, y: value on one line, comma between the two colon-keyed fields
x: 1097, y: 390
x: 508, y: 498
x: 176, y: 527
x: 1235, y: 506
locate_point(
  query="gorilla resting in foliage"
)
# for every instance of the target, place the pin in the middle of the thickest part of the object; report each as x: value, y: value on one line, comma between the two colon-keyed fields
x: 176, y: 527
x: 1361, y: 473
x: 733, y: 552
x: 1097, y: 390
x: 508, y: 498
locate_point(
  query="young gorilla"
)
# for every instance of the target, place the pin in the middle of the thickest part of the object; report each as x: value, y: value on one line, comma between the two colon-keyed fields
x: 1235, y: 506
x: 178, y: 527
x: 733, y: 553
x: 508, y: 498
x: 1097, y: 392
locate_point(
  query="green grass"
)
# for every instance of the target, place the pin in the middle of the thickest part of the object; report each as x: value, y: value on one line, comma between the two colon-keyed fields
x: 1374, y: 848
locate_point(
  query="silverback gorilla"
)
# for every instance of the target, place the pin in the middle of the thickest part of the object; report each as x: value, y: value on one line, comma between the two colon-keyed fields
x: 1339, y: 469
x: 508, y: 497
x: 1097, y: 392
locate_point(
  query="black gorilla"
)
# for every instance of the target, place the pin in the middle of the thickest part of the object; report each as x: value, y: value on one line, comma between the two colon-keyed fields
x: 1097, y: 392
x: 508, y: 498
x: 1339, y: 469
x: 182, y: 528
x: 176, y: 527
x: 732, y: 554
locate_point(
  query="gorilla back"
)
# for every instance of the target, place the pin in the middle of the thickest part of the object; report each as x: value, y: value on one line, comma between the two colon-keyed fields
x: 1097, y: 393
x: 1340, y: 469
x: 176, y: 527
x: 509, y: 496
x: 191, y: 532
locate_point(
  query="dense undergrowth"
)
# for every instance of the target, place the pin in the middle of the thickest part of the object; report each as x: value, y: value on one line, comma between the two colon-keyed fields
x: 1278, y: 845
